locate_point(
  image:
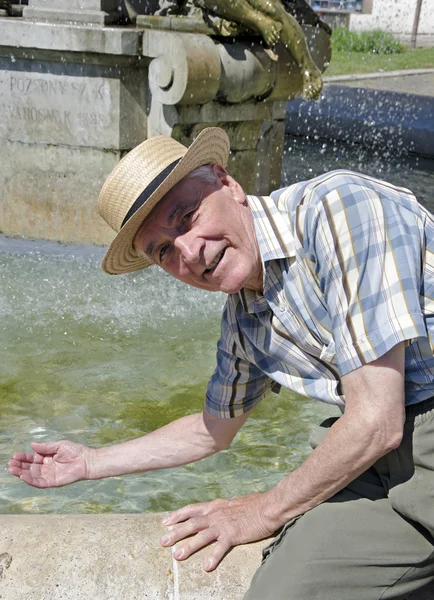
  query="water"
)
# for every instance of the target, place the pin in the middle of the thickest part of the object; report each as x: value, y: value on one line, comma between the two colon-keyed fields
x: 305, y: 158
x: 99, y: 360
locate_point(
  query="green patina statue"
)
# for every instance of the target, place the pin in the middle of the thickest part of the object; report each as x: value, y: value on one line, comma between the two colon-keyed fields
x: 269, y: 18
x: 5, y: 5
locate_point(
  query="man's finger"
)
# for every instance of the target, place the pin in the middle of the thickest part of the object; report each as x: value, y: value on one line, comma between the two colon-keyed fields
x: 191, y: 510
x: 218, y: 553
x: 28, y: 457
x: 18, y: 464
x: 20, y: 469
x: 15, y: 471
x: 184, y: 530
x: 46, y: 447
x: 200, y: 540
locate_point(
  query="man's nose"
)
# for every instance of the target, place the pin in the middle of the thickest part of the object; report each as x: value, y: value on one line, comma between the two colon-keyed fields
x: 189, y: 247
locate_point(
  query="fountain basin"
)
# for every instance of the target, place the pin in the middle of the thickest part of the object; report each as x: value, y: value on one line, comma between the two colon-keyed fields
x: 392, y: 111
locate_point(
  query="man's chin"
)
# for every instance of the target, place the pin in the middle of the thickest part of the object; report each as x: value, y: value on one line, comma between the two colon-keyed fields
x: 231, y: 288
x: 224, y: 286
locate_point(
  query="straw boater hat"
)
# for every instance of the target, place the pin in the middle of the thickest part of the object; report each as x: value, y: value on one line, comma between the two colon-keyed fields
x: 141, y: 179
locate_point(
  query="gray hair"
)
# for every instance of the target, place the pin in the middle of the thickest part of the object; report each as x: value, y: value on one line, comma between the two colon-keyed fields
x: 204, y: 173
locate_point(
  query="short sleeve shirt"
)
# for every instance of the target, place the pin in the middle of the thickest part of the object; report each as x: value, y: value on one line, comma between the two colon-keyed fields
x: 348, y: 273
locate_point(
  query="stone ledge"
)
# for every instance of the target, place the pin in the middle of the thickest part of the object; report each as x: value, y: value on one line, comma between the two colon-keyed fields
x: 70, y: 38
x: 375, y: 75
x: 98, y: 557
x: 174, y: 23
x: 102, y: 557
x: 95, y: 17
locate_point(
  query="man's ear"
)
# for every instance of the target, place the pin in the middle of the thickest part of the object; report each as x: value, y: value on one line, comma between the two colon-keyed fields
x: 228, y: 181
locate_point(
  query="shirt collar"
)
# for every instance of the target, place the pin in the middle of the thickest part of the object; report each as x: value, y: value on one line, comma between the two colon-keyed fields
x: 272, y: 229
x: 275, y: 241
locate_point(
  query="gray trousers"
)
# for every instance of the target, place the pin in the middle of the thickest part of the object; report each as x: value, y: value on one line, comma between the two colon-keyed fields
x: 373, y: 540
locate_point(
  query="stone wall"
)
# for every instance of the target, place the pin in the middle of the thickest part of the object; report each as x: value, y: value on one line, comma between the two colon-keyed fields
x: 72, y: 100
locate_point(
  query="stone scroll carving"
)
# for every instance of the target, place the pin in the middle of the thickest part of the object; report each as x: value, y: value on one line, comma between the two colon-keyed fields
x: 185, y: 69
x: 194, y: 69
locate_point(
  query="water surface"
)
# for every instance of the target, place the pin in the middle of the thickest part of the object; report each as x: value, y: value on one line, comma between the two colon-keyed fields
x: 99, y: 360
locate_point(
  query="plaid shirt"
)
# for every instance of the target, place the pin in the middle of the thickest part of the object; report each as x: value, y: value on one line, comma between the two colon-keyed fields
x: 348, y: 265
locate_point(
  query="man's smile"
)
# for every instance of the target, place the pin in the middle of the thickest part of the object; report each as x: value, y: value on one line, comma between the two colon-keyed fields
x: 216, y: 261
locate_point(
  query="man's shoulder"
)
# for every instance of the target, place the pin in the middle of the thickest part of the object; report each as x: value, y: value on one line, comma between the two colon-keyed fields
x: 310, y: 194
x: 332, y: 180
x: 325, y: 182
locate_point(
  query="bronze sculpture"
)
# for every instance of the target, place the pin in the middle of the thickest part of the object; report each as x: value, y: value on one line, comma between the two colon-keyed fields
x: 268, y: 18
x: 5, y: 5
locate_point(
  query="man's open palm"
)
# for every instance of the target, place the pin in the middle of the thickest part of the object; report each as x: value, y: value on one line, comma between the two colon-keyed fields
x: 52, y: 464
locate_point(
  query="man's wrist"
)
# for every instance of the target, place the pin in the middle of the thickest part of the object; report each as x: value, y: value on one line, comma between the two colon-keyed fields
x: 276, y: 512
x: 92, y: 468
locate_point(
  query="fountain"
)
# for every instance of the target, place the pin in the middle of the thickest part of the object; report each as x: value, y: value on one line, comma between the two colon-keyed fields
x: 73, y: 352
x: 77, y: 93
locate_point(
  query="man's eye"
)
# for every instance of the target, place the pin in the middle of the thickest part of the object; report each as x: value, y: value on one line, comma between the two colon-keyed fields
x: 186, y: 218
x: 163, y: 251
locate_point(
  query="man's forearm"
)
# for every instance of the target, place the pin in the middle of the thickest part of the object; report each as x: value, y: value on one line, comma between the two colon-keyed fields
x: 371, y: 426
x: 348, y: 450
x: 181, y: 442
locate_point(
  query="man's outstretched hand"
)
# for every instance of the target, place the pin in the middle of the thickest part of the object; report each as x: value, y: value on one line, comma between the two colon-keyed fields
x: 52, y: 464
x: 229, y: 522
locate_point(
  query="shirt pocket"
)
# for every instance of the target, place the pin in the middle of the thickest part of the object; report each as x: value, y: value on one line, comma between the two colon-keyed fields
x: 295, y: 329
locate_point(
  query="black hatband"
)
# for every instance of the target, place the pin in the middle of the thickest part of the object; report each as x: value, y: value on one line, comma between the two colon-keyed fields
x: 149, y: 189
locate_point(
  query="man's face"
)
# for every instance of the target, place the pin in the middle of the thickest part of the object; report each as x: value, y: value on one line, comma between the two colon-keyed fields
x: 203, y: 234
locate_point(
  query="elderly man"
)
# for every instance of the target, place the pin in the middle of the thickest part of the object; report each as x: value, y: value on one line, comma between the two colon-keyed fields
x: 330, y: 287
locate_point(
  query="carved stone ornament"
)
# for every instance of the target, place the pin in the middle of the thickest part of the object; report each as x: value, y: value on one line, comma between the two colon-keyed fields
x: 191, y: 68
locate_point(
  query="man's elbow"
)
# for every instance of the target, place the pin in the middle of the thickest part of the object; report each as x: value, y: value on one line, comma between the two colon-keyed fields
x: 386, y: 436
x: 222, y: 444
x: 393, y: 440
x: 213, y: 442
x: 221, y: 432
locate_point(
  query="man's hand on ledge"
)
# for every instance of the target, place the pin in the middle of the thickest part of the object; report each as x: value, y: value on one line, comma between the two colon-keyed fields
x: 52, y: 464
x: 229, y: 522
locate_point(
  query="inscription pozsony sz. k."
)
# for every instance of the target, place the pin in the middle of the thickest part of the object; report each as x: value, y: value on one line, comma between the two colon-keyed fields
x: 61, y: 109
x: 49, y: 87
x: 24, y: 85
